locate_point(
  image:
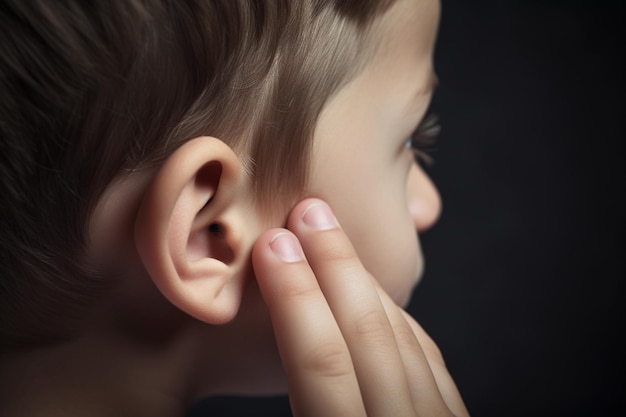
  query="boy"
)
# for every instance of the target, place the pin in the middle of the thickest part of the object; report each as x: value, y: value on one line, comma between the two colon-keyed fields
x: 151, y: 149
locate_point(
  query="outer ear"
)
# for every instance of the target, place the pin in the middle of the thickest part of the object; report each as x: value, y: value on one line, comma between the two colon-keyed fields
x: 189, y: 230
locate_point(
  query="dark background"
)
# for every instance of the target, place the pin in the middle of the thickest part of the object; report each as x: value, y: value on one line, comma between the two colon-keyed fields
x: 524, y: 286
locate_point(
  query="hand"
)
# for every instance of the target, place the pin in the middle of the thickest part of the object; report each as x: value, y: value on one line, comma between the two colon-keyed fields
x: 347, y: 348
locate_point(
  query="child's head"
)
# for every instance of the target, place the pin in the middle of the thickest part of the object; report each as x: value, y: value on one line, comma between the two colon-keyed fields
x: 159, y: 138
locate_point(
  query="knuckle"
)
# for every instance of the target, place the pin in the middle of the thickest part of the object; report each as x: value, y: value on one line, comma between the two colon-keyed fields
x: 330, y: 360
x: 295, y: 289
x: 337, y: 252
x: 404, y: 336
x: 373, y: 326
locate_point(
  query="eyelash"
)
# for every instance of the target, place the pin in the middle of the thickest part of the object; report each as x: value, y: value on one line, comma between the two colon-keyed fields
x: 423, y: 138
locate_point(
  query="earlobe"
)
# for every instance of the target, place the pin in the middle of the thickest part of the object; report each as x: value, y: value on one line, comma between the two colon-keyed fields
x: 188, y: 230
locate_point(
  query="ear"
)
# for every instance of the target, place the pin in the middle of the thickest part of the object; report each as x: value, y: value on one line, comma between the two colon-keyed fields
x: 190, y: 226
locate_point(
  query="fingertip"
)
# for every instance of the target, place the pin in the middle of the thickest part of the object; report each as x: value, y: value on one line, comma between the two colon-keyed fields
x: 261, y: 247
x: 314, y: 213
x: 277, y: 244
x: 264, y: 239
x: 299, y: 209
x: 286, y: 247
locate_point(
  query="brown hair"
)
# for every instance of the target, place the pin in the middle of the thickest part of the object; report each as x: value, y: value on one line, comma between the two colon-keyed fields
x: 91, y: 90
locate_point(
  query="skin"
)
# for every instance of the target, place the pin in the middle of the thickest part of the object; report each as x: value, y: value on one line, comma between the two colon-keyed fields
x: 317, y: 312
x: 347, y: 347
x: 361, y: 167
x: 334, y: 291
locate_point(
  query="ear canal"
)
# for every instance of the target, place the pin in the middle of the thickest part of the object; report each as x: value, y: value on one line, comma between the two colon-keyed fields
x: 212, y: 240
x: 217, y: 229
x: 221, y: 246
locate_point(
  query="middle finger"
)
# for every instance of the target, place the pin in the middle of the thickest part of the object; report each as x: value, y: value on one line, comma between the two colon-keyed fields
x: 356, y: 306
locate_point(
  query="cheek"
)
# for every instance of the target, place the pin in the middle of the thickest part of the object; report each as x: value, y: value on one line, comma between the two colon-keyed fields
x: 369, y: 197
x: 387, y: 244
x: 396, y: 264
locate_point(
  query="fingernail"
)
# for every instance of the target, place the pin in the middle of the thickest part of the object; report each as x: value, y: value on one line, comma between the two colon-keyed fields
x: 286, y: 247
x: 319, y: 217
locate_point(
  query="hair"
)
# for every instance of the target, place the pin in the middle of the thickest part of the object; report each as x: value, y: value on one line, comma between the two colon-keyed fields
x: 93, y: 90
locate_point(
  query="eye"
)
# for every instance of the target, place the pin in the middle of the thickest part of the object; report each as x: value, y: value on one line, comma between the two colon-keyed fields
x: 423, y: 138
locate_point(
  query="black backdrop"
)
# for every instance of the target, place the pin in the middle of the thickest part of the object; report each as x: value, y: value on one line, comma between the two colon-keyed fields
x: 524, y: 285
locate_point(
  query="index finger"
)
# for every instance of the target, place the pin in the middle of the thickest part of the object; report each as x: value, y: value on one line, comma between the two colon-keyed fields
x: 319, y: 368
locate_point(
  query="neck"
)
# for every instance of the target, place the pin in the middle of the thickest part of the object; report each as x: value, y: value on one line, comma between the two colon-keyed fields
x: 157, y: 362
x: 91, y: 376
x: 135, y: 358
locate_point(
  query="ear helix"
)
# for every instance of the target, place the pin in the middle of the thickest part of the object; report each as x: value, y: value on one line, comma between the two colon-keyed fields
x: 189, y: 232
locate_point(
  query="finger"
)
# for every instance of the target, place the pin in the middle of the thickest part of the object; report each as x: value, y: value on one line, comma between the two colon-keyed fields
x: 316, y: 359
x: 445, y: 383
x: 433, y: 389
x: 423, y: 386
x: 357, y: 308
